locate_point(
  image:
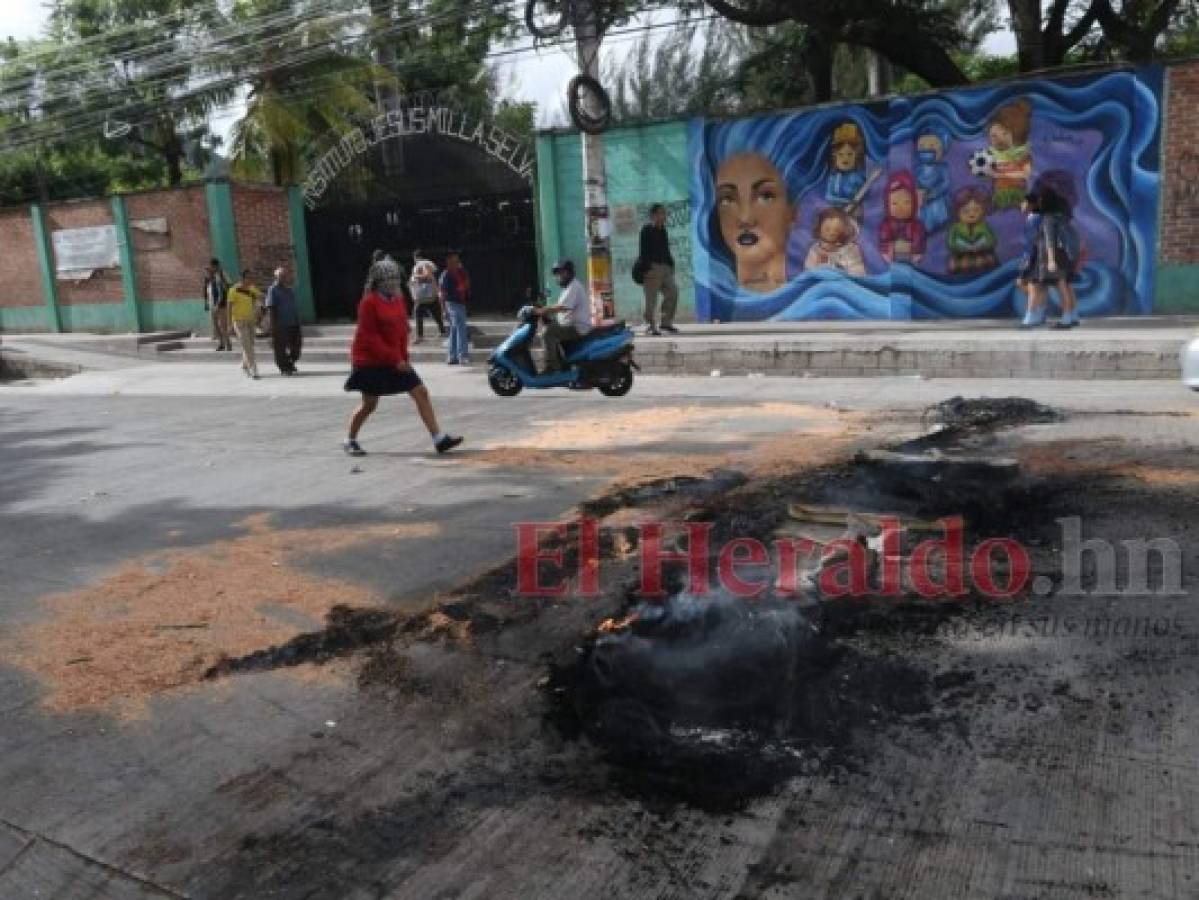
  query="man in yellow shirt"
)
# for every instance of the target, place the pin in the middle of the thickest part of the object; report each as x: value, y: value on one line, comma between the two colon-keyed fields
x: 245, y: 312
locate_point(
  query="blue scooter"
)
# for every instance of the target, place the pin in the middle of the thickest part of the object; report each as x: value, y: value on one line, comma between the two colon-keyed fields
x: 602, y: 358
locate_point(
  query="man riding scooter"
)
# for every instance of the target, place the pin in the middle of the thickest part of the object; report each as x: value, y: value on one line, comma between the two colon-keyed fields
x: 574, y: 315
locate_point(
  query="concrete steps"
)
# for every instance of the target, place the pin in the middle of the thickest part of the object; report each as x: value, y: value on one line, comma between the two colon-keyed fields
x: 1142, y: 348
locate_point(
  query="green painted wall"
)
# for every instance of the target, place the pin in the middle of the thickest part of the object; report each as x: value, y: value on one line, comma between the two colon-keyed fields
x: 1177, y: 290
x: 23, y: 318
x: 106, y: 318
x: 173, y: 315
x: 645, y: 165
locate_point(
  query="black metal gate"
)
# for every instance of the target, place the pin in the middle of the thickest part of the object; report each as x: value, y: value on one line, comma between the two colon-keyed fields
x: 435, y: 194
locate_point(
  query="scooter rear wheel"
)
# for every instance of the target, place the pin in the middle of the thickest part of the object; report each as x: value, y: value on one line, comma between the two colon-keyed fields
x: 620, y: 385
x: 504, y: 382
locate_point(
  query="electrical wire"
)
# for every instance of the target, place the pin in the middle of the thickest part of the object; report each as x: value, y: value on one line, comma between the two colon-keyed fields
x: 250, y: 36
x: 91, y: 119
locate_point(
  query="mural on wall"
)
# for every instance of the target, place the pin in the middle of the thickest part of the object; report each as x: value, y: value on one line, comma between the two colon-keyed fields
x: 911, y: 208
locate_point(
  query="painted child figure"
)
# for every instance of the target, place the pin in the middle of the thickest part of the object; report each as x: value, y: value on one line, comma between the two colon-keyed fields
x: 932, y: 177
x: 836, y: 244
x: 848, y: 161
x: 902, y: 237
x: 970, y: 240
x: 1008, y: 133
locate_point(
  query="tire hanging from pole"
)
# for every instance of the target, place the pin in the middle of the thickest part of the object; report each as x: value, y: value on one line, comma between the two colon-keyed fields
x: 543, y: 32
x: 589, y: 121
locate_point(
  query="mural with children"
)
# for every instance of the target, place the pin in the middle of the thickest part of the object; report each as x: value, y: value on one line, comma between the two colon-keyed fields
x: 915, y: 207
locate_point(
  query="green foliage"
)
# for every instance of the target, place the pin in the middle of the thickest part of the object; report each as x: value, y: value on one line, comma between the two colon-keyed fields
x: 688, y: 72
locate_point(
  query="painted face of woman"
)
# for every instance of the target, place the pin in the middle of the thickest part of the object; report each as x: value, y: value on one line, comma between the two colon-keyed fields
x: 755, y: 215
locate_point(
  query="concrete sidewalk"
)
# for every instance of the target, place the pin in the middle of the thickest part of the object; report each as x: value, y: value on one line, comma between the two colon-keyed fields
x: 1124, y: 348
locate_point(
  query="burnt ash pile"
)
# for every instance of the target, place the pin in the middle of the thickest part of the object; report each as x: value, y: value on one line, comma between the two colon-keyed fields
x: 716, y: 698
x: 988, y: 413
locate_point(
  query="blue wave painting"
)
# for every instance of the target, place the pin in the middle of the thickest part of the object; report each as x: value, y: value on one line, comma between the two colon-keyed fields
x: 1101, y: 131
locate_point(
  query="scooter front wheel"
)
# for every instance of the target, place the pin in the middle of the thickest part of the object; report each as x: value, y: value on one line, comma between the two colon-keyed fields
x: 620, y: 385
x: 503, y: 382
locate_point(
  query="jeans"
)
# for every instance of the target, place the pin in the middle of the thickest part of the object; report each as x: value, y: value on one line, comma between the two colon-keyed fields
x: 458, y: 333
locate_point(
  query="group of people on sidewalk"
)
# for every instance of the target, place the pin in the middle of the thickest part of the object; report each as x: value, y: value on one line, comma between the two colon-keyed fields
x: 241, y: 309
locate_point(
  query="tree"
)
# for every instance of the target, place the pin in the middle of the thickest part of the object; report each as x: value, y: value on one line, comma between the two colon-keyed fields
x: 301, y: 85
x: 918, y: 36
x: 103, y: 72
x: 671, y: 78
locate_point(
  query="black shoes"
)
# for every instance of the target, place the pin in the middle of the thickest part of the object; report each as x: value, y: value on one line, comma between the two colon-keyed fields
x: 353, y: 448
x: 670, y: 328
x: 447, y: 443
x: 652, y: 331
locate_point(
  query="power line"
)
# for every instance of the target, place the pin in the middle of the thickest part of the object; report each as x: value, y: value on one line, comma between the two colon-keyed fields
x: 254, y: 29
x: 92, y: 118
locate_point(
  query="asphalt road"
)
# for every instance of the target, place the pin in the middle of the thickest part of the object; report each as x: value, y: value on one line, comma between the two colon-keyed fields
x: 157, y: 518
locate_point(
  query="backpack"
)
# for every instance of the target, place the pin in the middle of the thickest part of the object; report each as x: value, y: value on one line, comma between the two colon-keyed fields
x: 423, y: 290
x: 639, y: 270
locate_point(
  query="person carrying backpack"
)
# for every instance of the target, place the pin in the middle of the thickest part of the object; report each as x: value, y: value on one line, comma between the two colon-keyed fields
x: 425, y: 295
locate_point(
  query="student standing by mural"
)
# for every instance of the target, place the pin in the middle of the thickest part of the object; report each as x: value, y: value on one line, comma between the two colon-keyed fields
x: 902, y: 238
x: 836, y: 244
x: 755, y: 216
x: 654, y: 253
x: 970, y: 240
x: 1062, y: 246
x: 1008, y: 132
x: 932, y: 177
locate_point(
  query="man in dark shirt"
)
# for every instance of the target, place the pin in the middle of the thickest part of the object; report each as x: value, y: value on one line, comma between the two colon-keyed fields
x: 659, y: 271
x: 285, y: 321
x: 454, y: 287
x: 216, y: 301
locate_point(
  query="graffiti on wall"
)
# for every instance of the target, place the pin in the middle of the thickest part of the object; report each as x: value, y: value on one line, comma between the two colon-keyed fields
x: 911, y: 208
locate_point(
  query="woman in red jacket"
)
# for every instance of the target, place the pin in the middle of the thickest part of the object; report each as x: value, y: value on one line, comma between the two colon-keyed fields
x: 379, y: 357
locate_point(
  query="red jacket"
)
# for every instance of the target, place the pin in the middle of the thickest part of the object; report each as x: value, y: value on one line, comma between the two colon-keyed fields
x: 381, y: 338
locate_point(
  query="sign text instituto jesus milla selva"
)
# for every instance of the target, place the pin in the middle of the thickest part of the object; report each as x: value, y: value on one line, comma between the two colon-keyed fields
x: 443, y: 120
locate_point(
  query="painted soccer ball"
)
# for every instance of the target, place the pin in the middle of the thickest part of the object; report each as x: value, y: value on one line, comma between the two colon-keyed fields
x: 982, y: 163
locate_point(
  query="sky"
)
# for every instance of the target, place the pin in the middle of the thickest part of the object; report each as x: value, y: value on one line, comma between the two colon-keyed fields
x: 540, y: 77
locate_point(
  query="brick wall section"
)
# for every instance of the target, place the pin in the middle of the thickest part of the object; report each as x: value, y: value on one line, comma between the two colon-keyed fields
x: 1179, y: 238
x: 20, y: 278
x: 263, y: 230
x: 104, y: 286
x: 170, y: 266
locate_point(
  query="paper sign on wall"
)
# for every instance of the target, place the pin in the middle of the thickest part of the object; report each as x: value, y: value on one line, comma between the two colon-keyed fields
x: 80, y: 251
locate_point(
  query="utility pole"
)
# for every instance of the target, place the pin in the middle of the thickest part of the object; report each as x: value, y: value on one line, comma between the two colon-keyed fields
x: 595, y: 182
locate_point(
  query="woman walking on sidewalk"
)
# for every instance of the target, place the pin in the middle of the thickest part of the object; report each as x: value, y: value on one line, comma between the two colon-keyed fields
x: 379, y: 356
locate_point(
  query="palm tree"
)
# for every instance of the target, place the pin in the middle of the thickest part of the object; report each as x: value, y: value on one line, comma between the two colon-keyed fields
x: 303, y: 84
